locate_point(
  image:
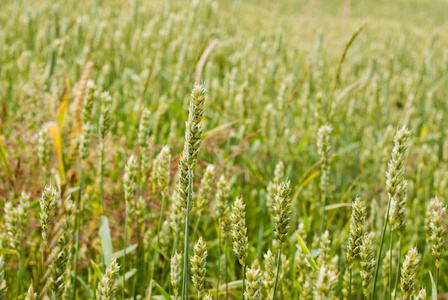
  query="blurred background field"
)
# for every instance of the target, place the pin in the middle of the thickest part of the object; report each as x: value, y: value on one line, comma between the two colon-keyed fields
x: 273, y: 79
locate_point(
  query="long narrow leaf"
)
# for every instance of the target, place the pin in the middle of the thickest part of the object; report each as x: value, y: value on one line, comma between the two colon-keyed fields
x: 433, y: 288
x: 55, y: 135
x: 165, y: 295
x: 106, y: 241
x: 307, y: 252
x: 97, y: 270
x: 4, y: 159
x: 128, y: 275
x: 120, y: 253
x: 84, y: 285
x: 8, y: 251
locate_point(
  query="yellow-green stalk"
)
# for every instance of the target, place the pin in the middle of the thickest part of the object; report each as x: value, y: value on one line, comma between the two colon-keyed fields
x: 163, y: 177
x: 187, y: 163
x: 3, y: 286
x: 394, y: 177
x: 87, y: 108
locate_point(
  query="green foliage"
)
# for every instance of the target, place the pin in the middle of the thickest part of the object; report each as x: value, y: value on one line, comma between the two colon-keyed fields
x: 283, y: 103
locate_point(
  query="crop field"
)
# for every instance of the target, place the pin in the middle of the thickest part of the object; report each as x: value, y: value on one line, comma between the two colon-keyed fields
x: 238, y: 149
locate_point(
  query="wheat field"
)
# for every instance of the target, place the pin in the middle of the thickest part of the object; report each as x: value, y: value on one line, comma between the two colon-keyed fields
x: 223, y: 149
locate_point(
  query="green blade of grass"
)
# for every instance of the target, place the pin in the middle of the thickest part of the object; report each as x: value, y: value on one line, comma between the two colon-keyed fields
x: 305, y: 250
x: 106, y: 242
x: 433, y: 288
x: 121, y: 252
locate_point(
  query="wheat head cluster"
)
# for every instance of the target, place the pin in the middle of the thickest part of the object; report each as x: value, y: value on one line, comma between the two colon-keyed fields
x: 215, y: 150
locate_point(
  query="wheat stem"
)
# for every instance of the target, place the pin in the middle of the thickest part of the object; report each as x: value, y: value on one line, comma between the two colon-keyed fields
x: 278, y: 269
x: 219, y: 261
x: 381, y: 249
x: 390, y: 265
x: 244, y: 279
x: 398, y: 268
x: 187, y: 232
x: 124, y: 248
x: 102, y: 176
x: 350, y: 285
x: 77, y: 226
x: 156, y: 253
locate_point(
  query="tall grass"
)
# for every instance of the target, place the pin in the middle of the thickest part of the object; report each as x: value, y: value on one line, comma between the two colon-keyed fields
x: 182, y: 130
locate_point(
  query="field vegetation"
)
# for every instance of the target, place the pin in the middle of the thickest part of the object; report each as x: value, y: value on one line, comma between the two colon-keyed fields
x: 223, y: 149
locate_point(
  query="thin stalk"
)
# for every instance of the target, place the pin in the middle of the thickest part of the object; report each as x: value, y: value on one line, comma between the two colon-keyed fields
x: 225, y: 268
x: 20, y: 275
x: 102, y: 176
x: 324, y: 203
x: 244, y: 281
x: 437, y: 277
x: 156, y: 253
x: 398, y: 268
x: 140, y: 261
x: 380, y: 250
x: 219, y: 261
x: 196, y: 227
x: 176, y: 239
x: 278, y: 269
x: 124, y: 248
x: 423, y: 261
x: 350, y: 285
x: 390, y: 265
x: 187, y: 232
x: 45, y: 176
x: 77, y: 226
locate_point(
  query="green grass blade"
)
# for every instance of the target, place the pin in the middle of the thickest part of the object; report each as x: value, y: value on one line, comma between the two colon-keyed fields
x: 106, y: 242
x: 305, y: 250
x: 165, y: 295
x: 120, y: 253
x: 433, y: 288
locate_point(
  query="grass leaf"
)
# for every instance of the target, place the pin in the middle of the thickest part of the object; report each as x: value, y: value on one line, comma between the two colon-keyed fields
x: 120, y: 253
x: 106, y: 242
x: 161, y: 290
x: 128, y: 275
x: 8, y: 251
x: 307, y: 252
x: 433, y: 288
